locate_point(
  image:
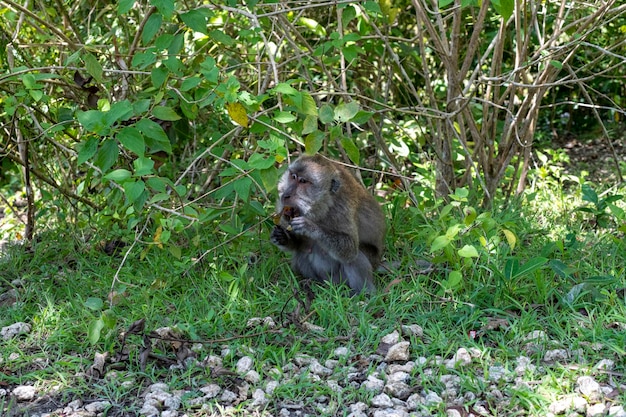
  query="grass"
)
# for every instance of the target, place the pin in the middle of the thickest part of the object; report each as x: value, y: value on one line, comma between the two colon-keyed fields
x: 576, y: 297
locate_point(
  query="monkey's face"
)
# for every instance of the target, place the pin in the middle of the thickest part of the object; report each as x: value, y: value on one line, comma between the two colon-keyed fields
x: 306, y: 189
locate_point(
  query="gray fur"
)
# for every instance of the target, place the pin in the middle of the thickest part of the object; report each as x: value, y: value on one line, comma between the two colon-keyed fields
x: 338, y: 232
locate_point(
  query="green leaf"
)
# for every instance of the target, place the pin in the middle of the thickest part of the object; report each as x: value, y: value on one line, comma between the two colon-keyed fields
x: 309, y: 125
x: 93, y: 334
x: 93, y: 67
x: 165, y: 113
x: 151, y: 28
x: 440, y: 242
x: 314, y: 142
x: 242, y: 187
x: 504, y: 8
x: 454, y: 280
x: 107, y: 155
x: 285, y: 88
x: 118, y: 175
x: 284, y: 117
x: 120, y: 111
x: 259, y: 161
x: 468, y: 251
x: 327, y: 113
x: 344, y: 112
x: 94, y: 303
x: 351, y: 150
x: 154, y: 135
x: 87, y: 150
x: 143, y: 166
x: 133, y: 190
x: 221, y: 37
x: 123, y: 6
x: 195, y: 20
x: 158, y: 75
x: 165, y: 7
x: 29, y: 81
x: 190, y: 83
x: 132, y: 140
x: 560, y: 268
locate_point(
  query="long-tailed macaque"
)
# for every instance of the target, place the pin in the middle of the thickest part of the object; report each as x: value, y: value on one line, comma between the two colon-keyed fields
x: 328, y: 220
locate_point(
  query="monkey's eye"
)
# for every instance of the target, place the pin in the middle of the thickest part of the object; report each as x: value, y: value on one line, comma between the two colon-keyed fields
x: 294, y: 177
x: 302, y: 181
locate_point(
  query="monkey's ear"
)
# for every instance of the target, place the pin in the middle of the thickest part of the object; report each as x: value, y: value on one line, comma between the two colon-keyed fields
x: 334, y: 185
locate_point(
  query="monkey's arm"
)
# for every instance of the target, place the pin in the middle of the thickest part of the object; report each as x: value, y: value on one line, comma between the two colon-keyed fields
x: 340, y: 241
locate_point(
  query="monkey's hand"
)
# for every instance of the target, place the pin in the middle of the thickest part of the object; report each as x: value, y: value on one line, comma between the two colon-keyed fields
x: 301, y: 226
x: 280, y: 237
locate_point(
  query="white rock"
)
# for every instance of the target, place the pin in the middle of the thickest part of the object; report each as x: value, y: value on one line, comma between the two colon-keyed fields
x: 15, y: 329
x: 211, y: 390
x: 605, y: 365
x: 588, y: 387
x: 24, y: 392
x: 341, y: 351
x: 617, y: 411
x: 390, y: 412
x: 73, y: 406
x: 524, y: 364
x: 405, y: 367
x: 303, y: 360
x: 97, y: 406
x: 462, y: 357
x: 258, y: 398
x: 319, y: 369
x: 413, y: 330
x: 244, y: 364
x: 334, y: 385
x: 331, y: 363
x: 373, y: 384
x: 391, y: 338
x: 596, y: 410
x: 169, y: 413
x: 270, y: 387
x: 398, y: 352
x: 399, y: 376
x: 398, y: 390
x: 496, y: 373
x: 432, y: 399
x: 382, y: 401
x: 536, y: 335
x: 252, y: 377
x: 413, y: 402
x: 555, y: 355
x: 228, y: 396
x: 172, y: 402
x: 149, y: 410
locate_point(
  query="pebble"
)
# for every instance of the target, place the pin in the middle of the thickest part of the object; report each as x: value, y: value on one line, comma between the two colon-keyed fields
x: 589, y: 388
x: 398, y: 352
x: 244, y: 364
x: 24, y: 392
x: 16, y: 329
x: 382, y: 401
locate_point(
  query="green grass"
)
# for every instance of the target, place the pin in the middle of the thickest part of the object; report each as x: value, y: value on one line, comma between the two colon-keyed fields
x: 582, y: 309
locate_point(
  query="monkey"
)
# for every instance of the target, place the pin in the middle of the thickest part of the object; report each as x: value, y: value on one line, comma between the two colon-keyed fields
x: 334, y: 228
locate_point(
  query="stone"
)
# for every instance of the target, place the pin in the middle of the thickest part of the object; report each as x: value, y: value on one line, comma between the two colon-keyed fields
x: 555, y: 355
x: 596, y: 410
x: 398, y: 352
x: 432, y: 399
x: 373, y: 384
x: 16, y: 329
x: 382, y: 401
x: 211, y: 390
x: 589, y: 388
x: 258, y: 398
x: 461, y: 357
x: 252, y: 377
x: 398, y: 390
x: 391, y: 338
x: 244, y: 364
x: 24, y: 392
x: 319, y: 369
x: 97, y: 406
